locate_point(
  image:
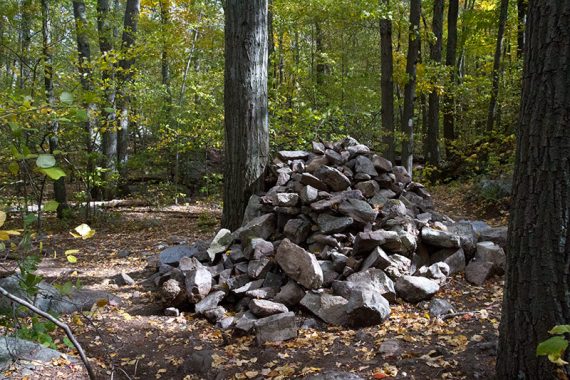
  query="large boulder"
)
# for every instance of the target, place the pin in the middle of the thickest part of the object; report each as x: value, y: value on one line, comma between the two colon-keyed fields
x: 329, y: 308
x: 366, y: 307
x: 442, y: 239
x: 477, y: 272
x: 299, y: 264
x: 377, y: 280
x: 489, y: 251
x: 276, y: 328
x: 415, y: 289
x: 261, y: 227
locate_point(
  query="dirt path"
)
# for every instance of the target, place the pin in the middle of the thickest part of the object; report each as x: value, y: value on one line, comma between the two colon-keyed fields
x: 136, y: 341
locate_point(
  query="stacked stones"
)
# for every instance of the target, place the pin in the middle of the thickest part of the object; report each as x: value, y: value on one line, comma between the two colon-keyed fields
x: 341, y: 234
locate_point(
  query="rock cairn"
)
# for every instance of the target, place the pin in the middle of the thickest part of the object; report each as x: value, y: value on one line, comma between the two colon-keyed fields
x: 341, y: 234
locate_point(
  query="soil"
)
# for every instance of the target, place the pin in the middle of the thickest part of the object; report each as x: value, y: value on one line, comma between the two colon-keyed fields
x: 134, y: 340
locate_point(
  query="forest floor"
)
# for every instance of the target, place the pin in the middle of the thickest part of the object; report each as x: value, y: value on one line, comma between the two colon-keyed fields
x: 134, y: 340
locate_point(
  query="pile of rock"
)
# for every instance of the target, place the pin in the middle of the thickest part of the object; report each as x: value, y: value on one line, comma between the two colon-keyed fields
x: 341, y: 234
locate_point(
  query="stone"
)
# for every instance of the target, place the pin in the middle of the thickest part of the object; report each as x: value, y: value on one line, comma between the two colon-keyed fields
x: 467, y: 236
x: 252, y: 285
x: 309, y: 194
x: 258, y: 268
x: 453, y: 257
x: 318, y: 147
x: 333, y: 178
x: 225, y: 323
x: 172, y: 292
x: 237, y: 255
x: 489, y: 251
x: 439, y: 307
x: 172, y: 255
x: 245, y: 321
x: 299, y: 264
x: 368, y: 188
x: 329, y: 273
x: 365, y: 242
x: 381, y: 164
x: 297, y: 230
x: 123, y: 279
x: 339, y: 261
x: 329, y: 308
x: 282, y: 178
x: 264, y: 308
x: 276, y: 328
x: 361, y: 177
x: 334, y: 375
x: 198, y: 284
x: 215, y: 314
x: 393, y: 208
x: 477, y: 272
x: 273, y: 280
x: 497, y: 235
x: 258, y: 248
x: 261, y: 227
x: 366, y: 307
x: 211, y: 301
x: 171, y: 312
x: 336, y: 199
x: 440, y: 239
x: 199, y: 362
x: 286, y: 199
x: 402, y: 174
x: 290, y: 294
x: 437, y: 272
x: 358, y: 210
x: 263, y: 293
x: 287, y: 155
x: 364, y: 165
x: 310, y: 180
x: 221, y: 242
x: 415, y: 289
x: 376, y: 279
x: 237, y: 281
x: 253, y: 209
x: 390, y: 347
x: 331, y: 224
x: 12, y: 348
x: 334, y: 157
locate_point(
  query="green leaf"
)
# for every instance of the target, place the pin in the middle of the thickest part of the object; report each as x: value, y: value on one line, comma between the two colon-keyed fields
x: 14, y: 168
x: 72, y: 259
x: 51, y: 206
x: 54, y: 173
x: 109, y: 110
x: 45, y: 161
x: 552, y: 347
x: 66, y: 97
x: 29, y: 219
x: 560, y: 329
x: 81, y: 115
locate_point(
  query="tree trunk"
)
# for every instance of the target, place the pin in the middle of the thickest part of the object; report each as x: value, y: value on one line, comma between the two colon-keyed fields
x: 245, y: 103
x: 407, y: 122
x: 59, y: 185
x: 25, y: 41
x: 130, y: 26
x: 164, y: 58
x: 109, y: 129
x: 432, y: 138
x: 450, y: 58
x: 536, y: 294
x: 521, y: 16
x: 387, y: 86
x: 320, y: 67
x: 497, y: 65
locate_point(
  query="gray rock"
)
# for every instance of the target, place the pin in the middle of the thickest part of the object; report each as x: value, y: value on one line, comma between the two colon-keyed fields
x: 358, y: 149
x: 237, y: 255
x: 245, y: 321
x: 211, y: 301
x: 264, y: 308
x: 334, y: 157
x: 365, y: 242
x: 172, y: 255
x: 497, y: 235
x: 489, y: 251
x: 376, y: 279
x: 261, y: 227
x: 477, y: 272
x: 237, y: 281
x: 188, y: 264
x: 309, y: 194
x: 253, y: 209
x: 258, y: 268
x: 15, y: 348
x: 364, y: 165
x: 318, y: 147
x: 381, y: 164
x: 415, y: 289
x: 437, y: 272
x: 258, y: 248
x: 299, y: 264
x: 331, y: 224
x: 123, y: 279
x: 381, y: 197
x: 358, y: 210
x: 366, y: 307
x: 310, y: 180
x: 225, y: 323
x: 263, y: 293
x: 439, y: 307
x: 394, y: 207
x: 171, y: 312
x: 439, y: 238
x: 297, y: 230
x: 198, y: 284
x: 333, y: 178
x: 273, y: 280
x: 290, y: 294
x: 402, y: 174
x: 276, y: 328
x: 327, y: 204
x: 220, y: 244
x: 329, y: 308
x: 286, y: 199
x: 454, y: 258
x: 287, y: 155
x: 334, y: 375
x: 172, y: 292
x: 467, y: 236
x: 215, y: 314
x: 329, y: 273
x: 252, y: 285
x: 368, y: 188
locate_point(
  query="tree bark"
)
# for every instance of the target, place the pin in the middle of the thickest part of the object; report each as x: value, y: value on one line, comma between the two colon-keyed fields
x: 432, y: 138
x: 536, y: 294
x: 58, y: 185
x: 130, y: 26
x: 450, y: 58
x: 164, y: 58
x: 387, y: 85
x: 25, y: 41
x: 497, y: 66
x: 320, y: 64
x: 522, y: 6
x: 407, y: 122
x: 245, y: 103
x: 109, y: 129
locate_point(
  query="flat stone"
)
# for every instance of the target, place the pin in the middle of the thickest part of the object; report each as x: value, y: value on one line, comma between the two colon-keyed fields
x: 441, y: 239
x: 331, y: 224
x: 358, y: 210
x: 336, y: 199
x: 439, y: 307
x: 477, y: 272
x: 286, y: 199
x: 364, y: 165
x: 261, y: 227
x: 237, y: 281
x: 365, y: 242
x: 329, y: 308
x: 263, y: 308
x: 333, y: 178
x: 415, y: 289
x: 310, y: 180
x: 368, y: 188
x: 263, y: 293
x: 211, y: 301
x: 245, y: 321
x: 188, y: 264
x: 258, y: 248
x: 358, y: 149
x: 172, y: 255
x: 497, y: 235
x: 287, y: 155
x: 276, y: 328
x: 334, y: 157
x: 309, y: 194
x: 258, y: 268
x: 252, y: 285
x: 12, y: 348
x: 299, y: 264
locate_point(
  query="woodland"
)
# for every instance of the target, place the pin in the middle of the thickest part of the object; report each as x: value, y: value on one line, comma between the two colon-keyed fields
x: 274, y: 189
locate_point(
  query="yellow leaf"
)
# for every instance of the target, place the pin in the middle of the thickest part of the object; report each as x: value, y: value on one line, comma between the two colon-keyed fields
x: 4, y: 235
x: 101, y: 302
x: 2, y: 218
x: 13, y: 232
x: 84, y: 231
x: 71, y: 251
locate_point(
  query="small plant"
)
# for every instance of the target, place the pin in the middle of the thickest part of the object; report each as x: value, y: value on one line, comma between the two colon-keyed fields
x: 207, y: 221
x: 555, y: 347
x: 212, y: 185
